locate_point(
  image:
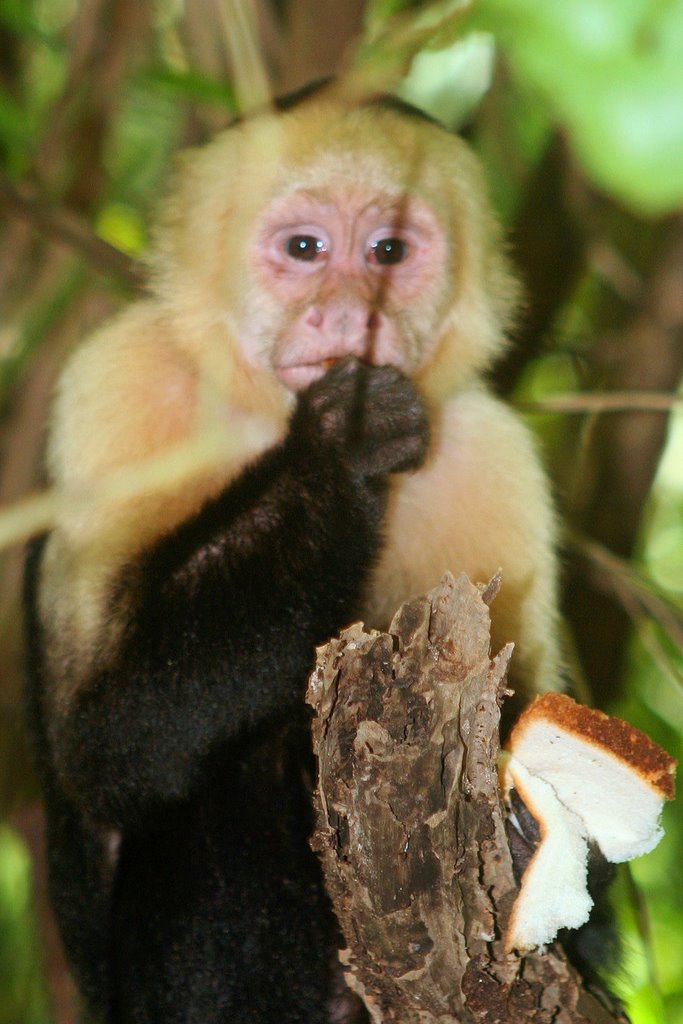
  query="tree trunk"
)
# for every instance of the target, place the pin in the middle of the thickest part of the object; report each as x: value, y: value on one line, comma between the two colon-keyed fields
x: 410, y: 826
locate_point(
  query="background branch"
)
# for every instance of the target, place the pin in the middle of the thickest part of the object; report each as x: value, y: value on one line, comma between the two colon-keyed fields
x: 64, y: 226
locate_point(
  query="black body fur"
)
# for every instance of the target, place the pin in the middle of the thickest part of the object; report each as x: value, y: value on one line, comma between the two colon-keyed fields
x: 191, y: 745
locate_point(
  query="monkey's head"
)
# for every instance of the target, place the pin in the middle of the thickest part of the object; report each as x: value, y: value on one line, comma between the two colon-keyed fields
x: 328, y: 230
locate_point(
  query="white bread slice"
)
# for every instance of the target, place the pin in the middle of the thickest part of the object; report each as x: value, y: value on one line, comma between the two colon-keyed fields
x: 608, y: 773
x: 554, y: 893
x: 583, y: 776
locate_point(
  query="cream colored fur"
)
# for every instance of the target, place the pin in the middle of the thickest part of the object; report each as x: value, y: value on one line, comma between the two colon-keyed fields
x: 141, y: 384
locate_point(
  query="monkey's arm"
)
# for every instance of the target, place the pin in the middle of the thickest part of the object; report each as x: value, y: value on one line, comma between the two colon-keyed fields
x: 227, y: 609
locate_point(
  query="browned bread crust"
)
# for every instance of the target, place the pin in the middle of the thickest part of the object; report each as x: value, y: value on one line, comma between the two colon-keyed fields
x: 641, y: 754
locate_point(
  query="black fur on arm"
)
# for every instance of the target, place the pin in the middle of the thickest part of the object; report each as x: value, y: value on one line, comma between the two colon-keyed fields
x: 230, y: 606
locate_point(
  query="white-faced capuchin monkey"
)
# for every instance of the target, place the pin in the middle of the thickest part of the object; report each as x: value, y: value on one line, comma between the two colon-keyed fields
x: 335, y: 272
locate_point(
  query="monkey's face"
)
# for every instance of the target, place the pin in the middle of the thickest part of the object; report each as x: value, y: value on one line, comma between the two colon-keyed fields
x: 343, y: 271
x: 333, y: 230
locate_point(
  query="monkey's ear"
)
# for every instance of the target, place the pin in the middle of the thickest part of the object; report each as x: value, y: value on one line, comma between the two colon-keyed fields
x: 185, y: 238
x: 585, y: 778
x: 485, y: 291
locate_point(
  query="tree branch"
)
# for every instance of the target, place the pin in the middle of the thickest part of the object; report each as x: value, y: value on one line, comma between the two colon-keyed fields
x: 410, y: 827
x: 605, y: 401
x: 63, y: 226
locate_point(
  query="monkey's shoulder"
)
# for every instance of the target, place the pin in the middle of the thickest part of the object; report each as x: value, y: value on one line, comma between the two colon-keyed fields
x: 476, y: 431
x: 148, y: 381
x: 124, y: 393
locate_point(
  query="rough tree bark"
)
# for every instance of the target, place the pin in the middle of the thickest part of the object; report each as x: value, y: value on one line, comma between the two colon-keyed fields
x: 410, y: 826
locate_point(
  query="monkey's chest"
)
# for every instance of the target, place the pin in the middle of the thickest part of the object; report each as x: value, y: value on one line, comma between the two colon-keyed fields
x: 433, y: 525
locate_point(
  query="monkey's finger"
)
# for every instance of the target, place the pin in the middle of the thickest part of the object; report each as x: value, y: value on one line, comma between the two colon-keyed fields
x: 396, y: 456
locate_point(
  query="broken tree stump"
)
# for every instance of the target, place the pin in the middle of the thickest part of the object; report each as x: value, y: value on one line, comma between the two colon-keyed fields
x: 410, y: 827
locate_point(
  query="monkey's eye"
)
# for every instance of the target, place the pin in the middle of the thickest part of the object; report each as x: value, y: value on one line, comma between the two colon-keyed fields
x: 304, y: 247
x: 387, y: 251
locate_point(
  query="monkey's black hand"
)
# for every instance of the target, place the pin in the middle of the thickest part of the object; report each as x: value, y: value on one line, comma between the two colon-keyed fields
x: 369, y: 417
x: 523, y: 835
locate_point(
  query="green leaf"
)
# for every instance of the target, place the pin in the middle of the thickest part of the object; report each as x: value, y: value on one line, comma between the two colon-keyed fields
x: 628, y: 132
x: 15, y: 133
x: 18, y: 17
x: 192, y: 86
x: 610, y: 73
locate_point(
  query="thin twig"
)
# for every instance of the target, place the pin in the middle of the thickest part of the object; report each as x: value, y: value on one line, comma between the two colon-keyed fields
x: 172, y: 467
x: 605, y: 401
x: 629, y: 586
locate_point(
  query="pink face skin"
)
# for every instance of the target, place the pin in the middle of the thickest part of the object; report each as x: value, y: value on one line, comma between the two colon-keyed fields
x: 340, y: 275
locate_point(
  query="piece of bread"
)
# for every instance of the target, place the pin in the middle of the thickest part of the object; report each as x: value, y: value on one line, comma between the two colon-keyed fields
x: 583, y: 776
x: 554, y: 894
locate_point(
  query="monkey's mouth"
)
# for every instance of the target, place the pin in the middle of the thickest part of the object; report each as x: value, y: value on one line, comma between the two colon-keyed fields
x: 298, y: 377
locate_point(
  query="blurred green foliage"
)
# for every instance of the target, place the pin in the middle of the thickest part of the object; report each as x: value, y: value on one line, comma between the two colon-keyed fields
x: 22, y: 996
x: 610, y: 72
